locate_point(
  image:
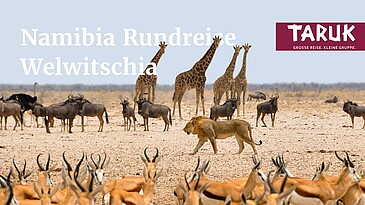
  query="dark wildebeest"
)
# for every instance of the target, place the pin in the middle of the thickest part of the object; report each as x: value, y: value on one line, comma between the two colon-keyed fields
x: 147, y: 109
x: 10, y: 108
x: 128, y: 113
x: 67, y: 111
x: 26, y: 101
x: 256, y: 95
x: 270, y: 107
x: 333, y: 100
x: 354, y: 111
x: 225, y: 110
x: 89, y: 109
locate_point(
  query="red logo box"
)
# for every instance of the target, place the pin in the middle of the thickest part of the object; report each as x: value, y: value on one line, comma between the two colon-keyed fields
x: 326, y: 36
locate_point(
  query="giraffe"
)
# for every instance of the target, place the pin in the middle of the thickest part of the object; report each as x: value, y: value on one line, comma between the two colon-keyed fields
x: 240, y: 82
x: 224, y: 83
x: 149, y: 81
x: 194, y: 78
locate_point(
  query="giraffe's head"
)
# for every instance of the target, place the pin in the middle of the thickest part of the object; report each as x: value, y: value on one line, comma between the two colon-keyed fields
x: 216, y: 40
x: 246, y: 46
x: 237, y: 48
x: 163, y: 45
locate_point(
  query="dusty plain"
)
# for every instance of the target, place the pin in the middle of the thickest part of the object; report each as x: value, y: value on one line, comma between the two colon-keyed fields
x: 307, y: 132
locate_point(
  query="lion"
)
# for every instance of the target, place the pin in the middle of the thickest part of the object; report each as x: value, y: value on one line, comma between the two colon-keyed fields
x: 212, y: 130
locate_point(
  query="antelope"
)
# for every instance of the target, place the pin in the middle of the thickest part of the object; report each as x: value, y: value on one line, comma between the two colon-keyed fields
x: 119, y: 196
x: 321, y: 191
x: 91, y: 110
x: 44, y: 177
x: 85, y: 196
x: 355, y: 194
x: 6, y: 191
x: 192, y: 196
x: 202, y: 174
x: 10, y: 108
x: 218, y: 191
x: 22, y: 176
x: 45, y: 197
x: 128, y: 113
x: 132, y: 183
x: 264, y: 108
x: 275, y: 197
x: 149, y: 186
x: 99, y: 169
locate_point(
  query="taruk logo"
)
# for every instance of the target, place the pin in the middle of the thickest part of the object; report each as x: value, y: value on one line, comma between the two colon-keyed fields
x: 320, y: 36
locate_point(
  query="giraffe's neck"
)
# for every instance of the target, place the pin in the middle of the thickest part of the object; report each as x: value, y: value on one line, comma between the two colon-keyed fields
x: 242, y: 73
x: 202, y: 65
x: 232, y: 65
x: 155, y: 59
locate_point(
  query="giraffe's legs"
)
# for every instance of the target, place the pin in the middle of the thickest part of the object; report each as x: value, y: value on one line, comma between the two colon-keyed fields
x: 227, y: 95
x: 197, y: 92
x: 153, y: 87
x: 243, y: 102
x: 202, y: 98
x: 238, y: 101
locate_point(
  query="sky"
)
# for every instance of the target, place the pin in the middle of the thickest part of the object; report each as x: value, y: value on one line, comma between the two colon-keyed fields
x: 251, y: 22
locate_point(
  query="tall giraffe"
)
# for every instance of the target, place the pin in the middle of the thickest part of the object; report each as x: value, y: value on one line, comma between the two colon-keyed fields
x: 195, y: 78
x: 240, y: 82
x: 224, y: 83
x: 149, y: 81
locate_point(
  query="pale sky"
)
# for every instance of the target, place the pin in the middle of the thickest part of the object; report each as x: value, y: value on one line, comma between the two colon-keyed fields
x: 252, y: 22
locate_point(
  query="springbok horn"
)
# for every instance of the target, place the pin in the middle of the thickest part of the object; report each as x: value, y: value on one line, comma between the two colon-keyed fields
x: 186, y: 181
x: 155, y: 157
x: 342, y: 160
x: 145, y: 154
x: 197, y: 165
x: 92, y: 159
x: 69, y: 168
x: 272, y: 188
x: 283, y: 183
x: 25, y: 165
x: 103, y: 163
x: 197, y: 182
x: 16, y: 168
x: 48, y: 160
x: 348, y: 159
x: 99, y: 160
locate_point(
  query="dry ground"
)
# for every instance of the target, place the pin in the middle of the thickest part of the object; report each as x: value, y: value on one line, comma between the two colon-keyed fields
x: 307, y: 131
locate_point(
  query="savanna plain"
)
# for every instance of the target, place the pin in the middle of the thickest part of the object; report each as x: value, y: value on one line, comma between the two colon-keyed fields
x: 307, y: 131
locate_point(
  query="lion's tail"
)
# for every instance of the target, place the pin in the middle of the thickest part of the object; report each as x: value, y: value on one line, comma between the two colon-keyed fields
x: 250, y: 132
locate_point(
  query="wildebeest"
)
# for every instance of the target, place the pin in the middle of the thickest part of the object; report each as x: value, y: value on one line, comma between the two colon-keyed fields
x: 10, y: 108
x: 256, y: 95
x: 354, y: 111
x: 333, y: 100
x: 147, y: 109
x: 67, y: 111
x: 38, y: 110
x: 225, y: 110
x: 128, y: 113
x: 89, y: 109
x: 26, y: 101
x: 270, y: 107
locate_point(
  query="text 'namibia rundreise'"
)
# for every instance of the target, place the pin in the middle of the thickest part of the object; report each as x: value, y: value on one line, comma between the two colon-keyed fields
x: 97, y: 38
